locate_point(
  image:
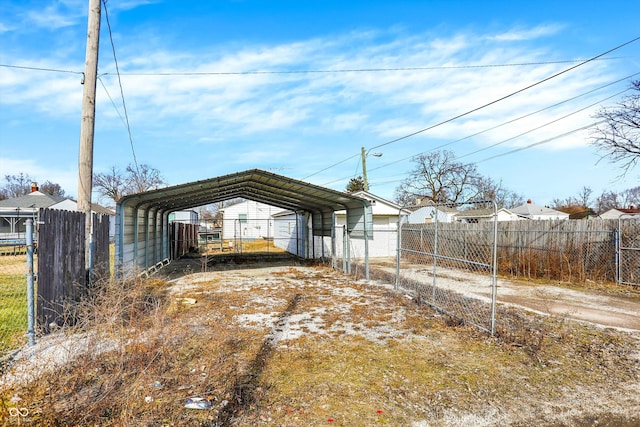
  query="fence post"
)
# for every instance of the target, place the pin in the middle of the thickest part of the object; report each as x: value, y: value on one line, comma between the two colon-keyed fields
x: 398, y: 253
x: 616, y: 251
x: 30, y: 291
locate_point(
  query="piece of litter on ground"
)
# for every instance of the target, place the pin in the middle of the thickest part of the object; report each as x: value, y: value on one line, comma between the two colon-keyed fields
x: 198, y: 403
x: 186, y: 301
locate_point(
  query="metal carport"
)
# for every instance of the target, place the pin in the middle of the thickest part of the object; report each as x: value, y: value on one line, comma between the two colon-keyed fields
x: 142, y: 226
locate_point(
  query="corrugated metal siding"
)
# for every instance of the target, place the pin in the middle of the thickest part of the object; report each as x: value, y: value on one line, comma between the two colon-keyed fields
x: 142, y: 233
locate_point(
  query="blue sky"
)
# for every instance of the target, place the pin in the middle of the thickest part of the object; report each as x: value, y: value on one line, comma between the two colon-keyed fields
x: 298, y: 87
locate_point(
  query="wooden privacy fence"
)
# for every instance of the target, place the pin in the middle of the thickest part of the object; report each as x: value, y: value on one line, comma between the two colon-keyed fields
x: 62, y: 275
x: 183, y: 238
x: 559, y: 250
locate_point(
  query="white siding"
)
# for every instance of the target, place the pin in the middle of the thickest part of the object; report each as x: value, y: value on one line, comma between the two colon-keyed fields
x: 249, y: 220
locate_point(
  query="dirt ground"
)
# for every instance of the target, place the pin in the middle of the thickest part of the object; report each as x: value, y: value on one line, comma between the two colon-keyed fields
x: 570, y: 404
x: 284, y: 344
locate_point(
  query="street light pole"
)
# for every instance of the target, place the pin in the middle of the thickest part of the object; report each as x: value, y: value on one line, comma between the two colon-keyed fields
x: 364, y: 155
x: 364, y: 170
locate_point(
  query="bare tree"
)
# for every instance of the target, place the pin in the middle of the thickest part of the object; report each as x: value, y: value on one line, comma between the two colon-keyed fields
x: 631, y: 197
x: 111, y: 185
x: 584, y: 197
x: 438, y: 177
x: 488, y: 189
x: 115, y: 184
x: 613, y: 200
x: 17, y: 185
x: 618, y: 138
x: 51, y: 188
x: 143, y: 178
x: 607, y: 200
x: 574, y: 204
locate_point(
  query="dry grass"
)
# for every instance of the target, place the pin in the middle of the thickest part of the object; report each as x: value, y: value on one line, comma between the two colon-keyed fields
x: 308, y: 346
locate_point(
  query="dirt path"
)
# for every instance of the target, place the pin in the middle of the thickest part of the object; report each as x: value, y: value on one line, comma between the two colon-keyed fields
x: 620, y: 311
x: 614, y: 311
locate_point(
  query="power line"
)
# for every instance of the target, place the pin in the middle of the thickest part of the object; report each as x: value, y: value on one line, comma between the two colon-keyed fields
x: 329, y: 167
x: 535, y: 144
x: 594, y: 58
x: 543, y: 125
x: 124, y: 105
x: 115, y: 107
x: 543, y: 141
x: 53, y: 70
x: 508, y: 122
x: 354, y: 70
x: 348, y: 70
x: 507, y: 96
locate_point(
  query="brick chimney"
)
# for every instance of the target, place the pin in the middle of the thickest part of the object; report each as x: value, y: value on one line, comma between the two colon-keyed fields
x: 34, y: 186
x: 529, y: 202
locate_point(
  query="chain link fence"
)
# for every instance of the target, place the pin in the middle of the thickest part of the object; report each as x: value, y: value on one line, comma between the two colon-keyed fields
x: 628, y: 254
x: 452, y: 266
x: 566, y: 250
x: 16, y: 270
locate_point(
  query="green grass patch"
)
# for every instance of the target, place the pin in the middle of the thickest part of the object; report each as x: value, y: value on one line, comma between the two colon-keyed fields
x: 13, y: 311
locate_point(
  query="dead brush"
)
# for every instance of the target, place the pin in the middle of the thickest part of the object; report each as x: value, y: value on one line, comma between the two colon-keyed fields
x: 127, y: 352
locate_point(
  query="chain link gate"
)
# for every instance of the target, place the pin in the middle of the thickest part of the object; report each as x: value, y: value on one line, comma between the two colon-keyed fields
x: 452, y: 265
x: 628, y: 250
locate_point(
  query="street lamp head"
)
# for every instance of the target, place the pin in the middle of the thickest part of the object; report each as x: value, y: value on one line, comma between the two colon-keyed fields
x: 376, y: 154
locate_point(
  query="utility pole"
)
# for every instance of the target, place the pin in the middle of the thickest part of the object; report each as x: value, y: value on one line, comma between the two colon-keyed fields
x: 364, y: 155
x: 364, y: 170
x: 85, y: 163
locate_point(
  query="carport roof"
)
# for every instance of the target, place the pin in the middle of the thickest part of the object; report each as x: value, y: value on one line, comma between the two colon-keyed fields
x: 254, y: 184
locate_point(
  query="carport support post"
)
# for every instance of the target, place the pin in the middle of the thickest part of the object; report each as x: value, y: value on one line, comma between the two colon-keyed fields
x: 344, y: 249
x: 366, y: 251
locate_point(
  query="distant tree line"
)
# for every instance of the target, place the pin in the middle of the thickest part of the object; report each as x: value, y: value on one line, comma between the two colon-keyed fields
x: 584, y: 200
x: 21, y: 184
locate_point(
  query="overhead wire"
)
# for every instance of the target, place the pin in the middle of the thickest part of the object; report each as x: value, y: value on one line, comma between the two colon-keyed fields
x: 354, y: 70
x: 113, y: 103
x: 52, y: 70
x: 594, y: 58
x: 546, y: 79
x: 329, y: 71
x: 543, y: 125
x: 509, y: 122
x: 545, y: 141
x: 124, y: 105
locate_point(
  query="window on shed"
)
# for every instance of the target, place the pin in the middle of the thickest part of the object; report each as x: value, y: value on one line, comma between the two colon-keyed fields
x: 242, y: 218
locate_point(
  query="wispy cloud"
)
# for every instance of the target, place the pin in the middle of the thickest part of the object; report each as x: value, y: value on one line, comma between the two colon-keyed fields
x: 520, y: 34
x: 429, y: 80
x: 410, y: 99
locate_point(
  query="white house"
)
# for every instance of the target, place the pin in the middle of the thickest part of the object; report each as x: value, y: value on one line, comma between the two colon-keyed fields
x: 386, y: 215
x: 530, y: 210
x: 292, y: 230
x: 429, y: 213
x: 249, y: 220
x: 617, y: 213
x: 186, y: 217
x: 15, y: 211
x: 483, y: 215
